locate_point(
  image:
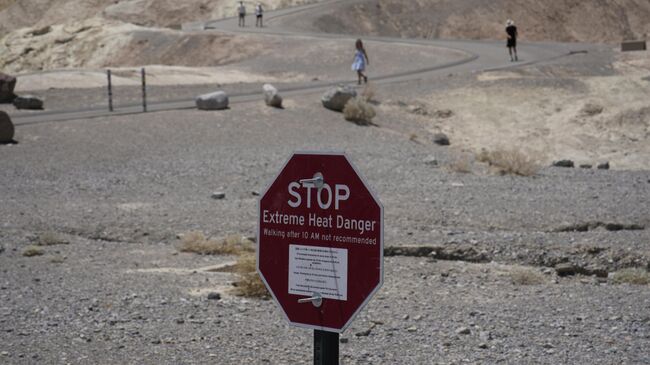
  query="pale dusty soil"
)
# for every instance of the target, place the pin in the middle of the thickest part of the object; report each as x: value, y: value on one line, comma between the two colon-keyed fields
x: 539, y: 110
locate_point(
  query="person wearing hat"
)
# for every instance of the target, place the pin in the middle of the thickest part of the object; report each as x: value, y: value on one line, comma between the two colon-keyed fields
x: 511, y: 31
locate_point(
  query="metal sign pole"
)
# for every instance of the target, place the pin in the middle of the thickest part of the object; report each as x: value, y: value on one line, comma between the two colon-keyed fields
x: 326, y: 348
x: 144, y: 91
x: 110, y: 91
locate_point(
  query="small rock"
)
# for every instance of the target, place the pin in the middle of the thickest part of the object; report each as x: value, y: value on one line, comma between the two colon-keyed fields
x: 443, y: 113
x: 214, y: 296
x: 156, y: 342
x: 463, y: 331
x: 441, y: 139
x: 405, y: 317
x: 603, y: 166
x: 213, y: 101
x: 485, y: 336
x: 41, y: 31
x: 4, y: 353
x: 431, y: 161
x: 418, y: 109
x: 482, y: 345
x: 364, y: 333
x: 29, y: 102
x: 344, y: 340
x: 336, y: 98
x: 591, y: 109
x: 218, y: 195
x: 565, y: 269
x: 412, y: 329
x: 585, y: 166
x: 180, y: 321
x: 564, y: 163
x: 7, y: 86
x: 271, y: 96
x: 255, y: 193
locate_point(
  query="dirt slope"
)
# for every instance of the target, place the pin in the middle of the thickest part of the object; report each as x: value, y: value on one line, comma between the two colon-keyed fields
x: 97, y: 43
x: 558, y: 20
x: 162, y: 13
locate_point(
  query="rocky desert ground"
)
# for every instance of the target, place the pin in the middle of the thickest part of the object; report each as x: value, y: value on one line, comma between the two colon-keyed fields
x: 482, y: 265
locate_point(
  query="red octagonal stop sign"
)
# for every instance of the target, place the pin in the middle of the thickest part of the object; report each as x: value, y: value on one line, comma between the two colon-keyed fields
x: 320, y: 236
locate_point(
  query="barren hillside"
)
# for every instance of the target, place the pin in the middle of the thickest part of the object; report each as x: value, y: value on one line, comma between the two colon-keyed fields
x: 163, y: 13
x: 558, y: 20
x: 97, y: 43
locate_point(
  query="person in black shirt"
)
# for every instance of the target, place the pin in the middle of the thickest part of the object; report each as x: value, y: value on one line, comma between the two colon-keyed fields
x: 511, y: 30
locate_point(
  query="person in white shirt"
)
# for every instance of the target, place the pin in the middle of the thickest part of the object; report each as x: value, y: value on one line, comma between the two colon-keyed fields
x: 259, y: 12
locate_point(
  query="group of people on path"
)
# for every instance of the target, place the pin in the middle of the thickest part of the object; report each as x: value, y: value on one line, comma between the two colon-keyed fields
x: 259, y: 13
x: 361, y: 56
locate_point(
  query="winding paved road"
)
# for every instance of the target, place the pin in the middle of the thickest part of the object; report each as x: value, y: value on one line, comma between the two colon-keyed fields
x: 480, y: 56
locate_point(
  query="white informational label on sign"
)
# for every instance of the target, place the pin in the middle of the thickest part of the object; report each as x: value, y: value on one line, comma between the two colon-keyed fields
x: 321, y: 270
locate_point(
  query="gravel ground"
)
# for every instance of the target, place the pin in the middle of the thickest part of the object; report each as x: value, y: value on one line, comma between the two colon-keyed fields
x: 121, y: 189
x: 109, y: 303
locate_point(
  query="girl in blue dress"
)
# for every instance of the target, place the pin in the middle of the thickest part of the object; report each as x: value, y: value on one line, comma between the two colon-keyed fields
x: 360, y: 61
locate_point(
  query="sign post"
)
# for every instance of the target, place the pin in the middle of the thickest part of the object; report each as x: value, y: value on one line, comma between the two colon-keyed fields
x: 320, y: 245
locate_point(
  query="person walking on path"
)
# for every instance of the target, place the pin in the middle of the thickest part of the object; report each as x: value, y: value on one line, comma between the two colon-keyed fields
x: 259, y: 12
x: 241, y: 10
x: 360, y: 61
x: 511, y: 31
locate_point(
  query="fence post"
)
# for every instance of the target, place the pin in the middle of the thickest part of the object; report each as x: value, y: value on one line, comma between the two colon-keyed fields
x: 110, y: 91
x: 144, y: 91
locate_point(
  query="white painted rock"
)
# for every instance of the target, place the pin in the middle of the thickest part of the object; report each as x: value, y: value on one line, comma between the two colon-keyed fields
x: 213, y: 101
x: 271, y: 96
x: 336, y: 98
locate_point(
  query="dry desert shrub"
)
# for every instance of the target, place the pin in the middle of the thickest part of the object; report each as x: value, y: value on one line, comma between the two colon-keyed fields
x: 521, y: 275
x: 368, y: 94
x: 196, y: 242
x: 31, y: 251
x: 359, y: 111
x: 249, y: 283
x: 51, y: 238
x: 460, y: 164
x: 632, y: 276
x: 510, y: 162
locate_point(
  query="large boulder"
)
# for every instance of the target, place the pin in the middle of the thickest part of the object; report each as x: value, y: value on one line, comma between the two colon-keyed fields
x: 7, y: 85
x: 271, y: 96
x: 217, y: 100
x: 28, y: 102
x: 6, y: 128
x: 336, y: 98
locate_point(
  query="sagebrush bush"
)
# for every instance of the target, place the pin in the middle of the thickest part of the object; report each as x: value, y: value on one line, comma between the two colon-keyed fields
x: 51, y: 238
x: 369, y: 92
x: 249, y: 283
x: 461, y: 164
x: 196, y: 242
x: 632, y: 276
x: 526, y: 276
x: 31, y: 251
x: 359, y: 111
x: 510, y: 162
